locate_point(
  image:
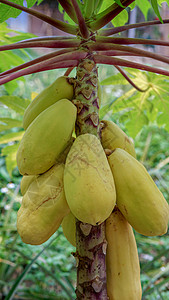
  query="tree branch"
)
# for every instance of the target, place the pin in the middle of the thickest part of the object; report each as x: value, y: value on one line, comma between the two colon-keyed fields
x: 128, y: 41
x: 67, y: 6
x: 37, y: 60
x: 107, y: 15
x: 107, y: 60
x: 42, y: 43
x: 48, y: 64
x: 111, y: 31
x: 81, y: 21
x: 59, y: 65
x: 56, y: 23
x: 132, y: 50
x: 130, y: 81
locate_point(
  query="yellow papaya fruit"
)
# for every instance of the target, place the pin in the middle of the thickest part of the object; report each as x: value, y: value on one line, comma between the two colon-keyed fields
x: 46, y: 138
x: 25, y: 182
x: 43, y: 207
x: 69, y: 228
x: 122, y: 262
x: 59, y: 89
x: 88, y: 181
x: 113, y: 137
x: 138, y: 197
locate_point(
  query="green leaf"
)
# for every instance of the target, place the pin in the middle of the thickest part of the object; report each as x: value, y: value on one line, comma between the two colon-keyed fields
x: 26, y: 270
x: 16, y: 103
x: 105, y: 5
x: 103, y: 111
x: 144, y: 6
x: 8, y: 60
x: 121, y: 18
x: 119, y: 3
x: 115, y: 79
x: 8, y: 123
x: 136, y: 123
x: 7, y: 11
x: 10, y: 157
x: 10, y: 137
x: 155, y: 7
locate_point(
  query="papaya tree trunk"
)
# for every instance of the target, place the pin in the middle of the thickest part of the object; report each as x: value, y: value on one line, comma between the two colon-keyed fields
x: 90, y: 240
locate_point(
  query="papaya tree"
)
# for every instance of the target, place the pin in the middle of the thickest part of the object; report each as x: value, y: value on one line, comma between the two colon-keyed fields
x: 91, y: 173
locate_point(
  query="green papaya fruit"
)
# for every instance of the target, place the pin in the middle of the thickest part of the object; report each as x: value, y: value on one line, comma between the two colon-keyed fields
x: 59, y: 89
x: 69, y: 228
x: 43, y: 207
x: 138, y: 197
x: 113, y: 137
x: 46, y: 138
x: 88, y: 181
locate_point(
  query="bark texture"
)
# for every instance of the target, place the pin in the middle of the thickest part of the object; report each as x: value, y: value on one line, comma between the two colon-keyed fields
x: 90, y: 240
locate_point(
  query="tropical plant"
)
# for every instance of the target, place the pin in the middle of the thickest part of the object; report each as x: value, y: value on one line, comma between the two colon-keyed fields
x: 86, y: 46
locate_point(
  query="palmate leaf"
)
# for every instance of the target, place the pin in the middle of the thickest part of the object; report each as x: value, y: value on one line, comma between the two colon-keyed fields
x: 16, y: 103
x: 10, y: 137
x: 144, y: 6
x: 9, y: 36
x: 114, y: 79
x: 8, y: 123
x: 137, y: 109
x: 10, y: 157
x: 120, y: 19
x: 7, y: 12
x: 136, y: 122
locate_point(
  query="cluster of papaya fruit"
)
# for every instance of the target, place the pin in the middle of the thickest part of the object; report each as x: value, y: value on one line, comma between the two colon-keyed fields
x: 89, y: 179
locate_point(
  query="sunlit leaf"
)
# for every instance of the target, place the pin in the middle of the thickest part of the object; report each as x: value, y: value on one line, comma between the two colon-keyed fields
x: 115, y: 79
x: 136, y: 122
x: 10, y: 137
x: 16, y: 103
x: 121, y: 18
x: 7, y: 11
x: 10, y: 157
x: 154, y: 4
x: 144, y: 6
x: 8, y: 123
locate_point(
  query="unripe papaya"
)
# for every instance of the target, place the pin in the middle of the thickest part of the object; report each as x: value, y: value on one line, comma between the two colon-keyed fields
x: 59, y: 89
x: 122, y: 262
x: 69, y: 228
x: 25, y: 183
x: 138, y: 197
x: 43, y: 207
x: 88, y: 181
x: 46, y: 138
x: 113, y: 137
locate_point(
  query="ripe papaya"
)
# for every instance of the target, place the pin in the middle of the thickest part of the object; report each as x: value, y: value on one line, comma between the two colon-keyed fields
x: 46, y: 138
x: 43, y: 207
x: 122, y: 262
x: 59, y: 89
x: 69, y: 228
x: 138, y: 197
x: 113, y: 137
x: 25, y: 183
x: 88, y: 181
